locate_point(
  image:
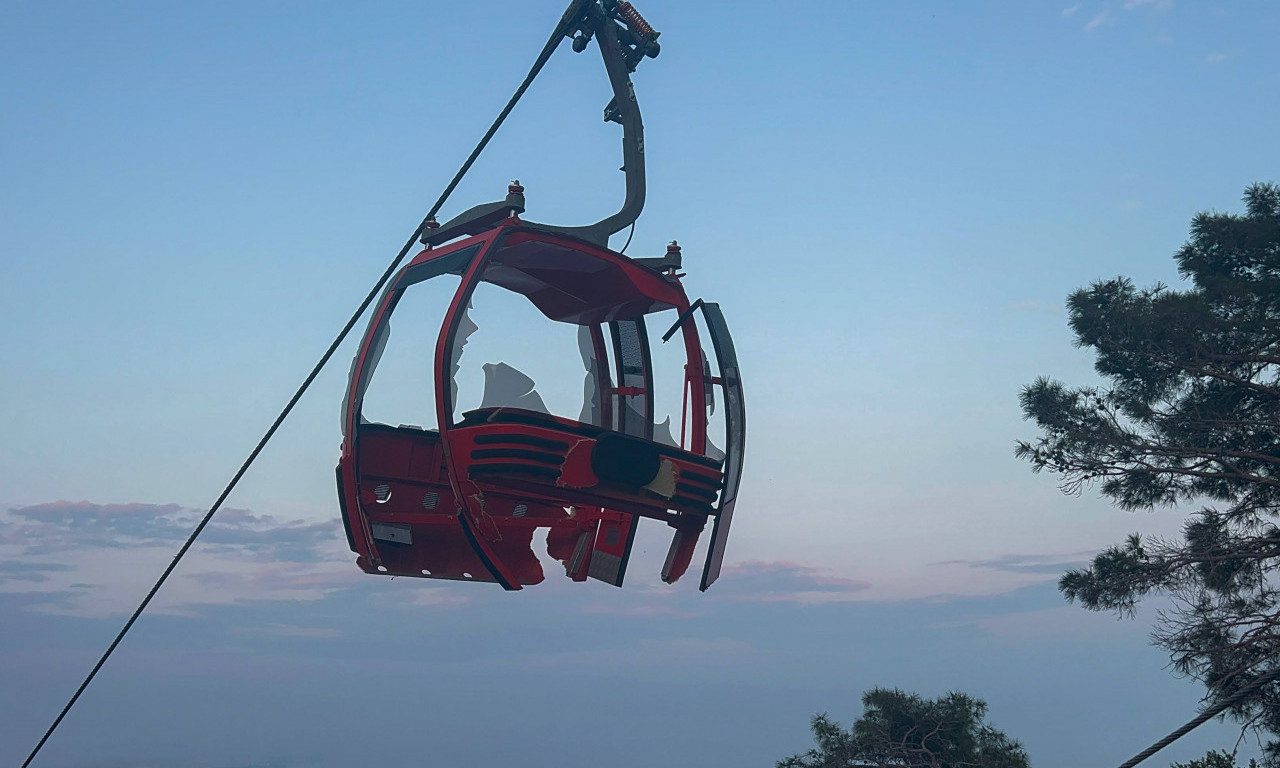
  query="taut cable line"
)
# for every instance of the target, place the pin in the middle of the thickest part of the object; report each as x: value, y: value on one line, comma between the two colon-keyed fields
x: 562, y: 28
x: 1202, y: 718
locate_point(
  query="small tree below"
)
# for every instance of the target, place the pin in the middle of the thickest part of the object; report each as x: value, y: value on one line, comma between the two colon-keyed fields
x: 1214, y: 759
x: 904, y: 730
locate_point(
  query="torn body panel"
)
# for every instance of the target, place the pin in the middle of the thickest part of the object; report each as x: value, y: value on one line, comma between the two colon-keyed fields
x: 463, y: 502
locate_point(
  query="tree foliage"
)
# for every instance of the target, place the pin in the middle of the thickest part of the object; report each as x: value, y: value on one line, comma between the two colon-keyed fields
x: 1214, y: 759
x: 903, y: 730
x: 1190, y: 412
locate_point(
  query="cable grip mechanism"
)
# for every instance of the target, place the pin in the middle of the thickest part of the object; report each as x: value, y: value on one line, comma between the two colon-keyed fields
x: 636, y: 37
x: 624, y: 38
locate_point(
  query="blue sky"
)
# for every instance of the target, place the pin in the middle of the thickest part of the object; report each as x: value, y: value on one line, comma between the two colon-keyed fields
x: 889, y: 200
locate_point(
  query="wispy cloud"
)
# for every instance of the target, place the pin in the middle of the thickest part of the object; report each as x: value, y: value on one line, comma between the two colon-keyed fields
x: 1045, y: 564
x: 1103, y: 17
x: 56, y: 526
x: 786, y: 582
x: 88, y: 559
x: 45, y: 529
x: 1215, y: 58
x: 1106, y: 16
x: 18, y: 570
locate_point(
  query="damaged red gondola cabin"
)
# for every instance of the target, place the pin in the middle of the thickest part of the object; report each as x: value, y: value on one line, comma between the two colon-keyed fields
x: 463, y: 501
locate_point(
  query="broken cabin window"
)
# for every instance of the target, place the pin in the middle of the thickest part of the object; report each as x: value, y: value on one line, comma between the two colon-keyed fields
x: 397, y: 384
x: 507, y: 354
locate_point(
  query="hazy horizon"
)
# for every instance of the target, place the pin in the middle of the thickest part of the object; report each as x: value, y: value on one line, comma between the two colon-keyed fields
x: 891, y: 203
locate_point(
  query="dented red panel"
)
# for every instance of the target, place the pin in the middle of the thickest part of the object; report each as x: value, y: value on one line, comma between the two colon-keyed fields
x: 613, y: 549
x: 464, y: 502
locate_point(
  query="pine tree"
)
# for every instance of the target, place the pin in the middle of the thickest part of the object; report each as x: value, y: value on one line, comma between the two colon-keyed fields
x: 1214, y: 759
x: 1189, y: 413
x: 904, y: 730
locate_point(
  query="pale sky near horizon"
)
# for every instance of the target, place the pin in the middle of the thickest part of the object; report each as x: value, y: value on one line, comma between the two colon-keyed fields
x: 890, y: 201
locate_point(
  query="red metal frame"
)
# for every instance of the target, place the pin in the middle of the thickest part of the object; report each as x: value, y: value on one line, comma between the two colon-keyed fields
x: 463, y: 502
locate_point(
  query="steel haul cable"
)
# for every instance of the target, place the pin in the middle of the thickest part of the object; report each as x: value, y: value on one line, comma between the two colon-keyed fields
x: 1201, y: 718
x: 562, y: 28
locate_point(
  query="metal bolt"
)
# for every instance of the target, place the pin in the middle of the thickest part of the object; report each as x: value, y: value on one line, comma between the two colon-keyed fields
x: 427, y: 227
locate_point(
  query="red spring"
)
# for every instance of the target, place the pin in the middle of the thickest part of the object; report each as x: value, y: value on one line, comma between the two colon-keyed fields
x: 635, y: 22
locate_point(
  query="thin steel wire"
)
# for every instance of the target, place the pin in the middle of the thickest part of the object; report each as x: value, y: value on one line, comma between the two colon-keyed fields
x: 564, y: 26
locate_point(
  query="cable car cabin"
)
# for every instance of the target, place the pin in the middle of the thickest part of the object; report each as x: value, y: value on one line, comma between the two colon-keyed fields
x: 462, y: 501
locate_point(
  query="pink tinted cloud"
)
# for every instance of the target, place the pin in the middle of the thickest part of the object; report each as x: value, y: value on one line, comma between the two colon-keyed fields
x: 784, y: 581
x: 87, y: 559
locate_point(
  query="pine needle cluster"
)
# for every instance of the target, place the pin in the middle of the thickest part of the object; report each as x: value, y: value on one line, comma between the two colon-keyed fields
x: 1189, y: 413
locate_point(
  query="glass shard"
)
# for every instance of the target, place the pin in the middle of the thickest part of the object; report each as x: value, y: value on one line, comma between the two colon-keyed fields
x: 506, y: 386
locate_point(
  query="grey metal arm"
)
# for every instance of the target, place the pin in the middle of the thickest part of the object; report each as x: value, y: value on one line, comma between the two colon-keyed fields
x: 621, y: 48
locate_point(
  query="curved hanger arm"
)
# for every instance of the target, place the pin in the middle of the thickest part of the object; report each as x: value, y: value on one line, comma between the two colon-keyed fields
x: 624, y: 38
x: 621, y: 49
